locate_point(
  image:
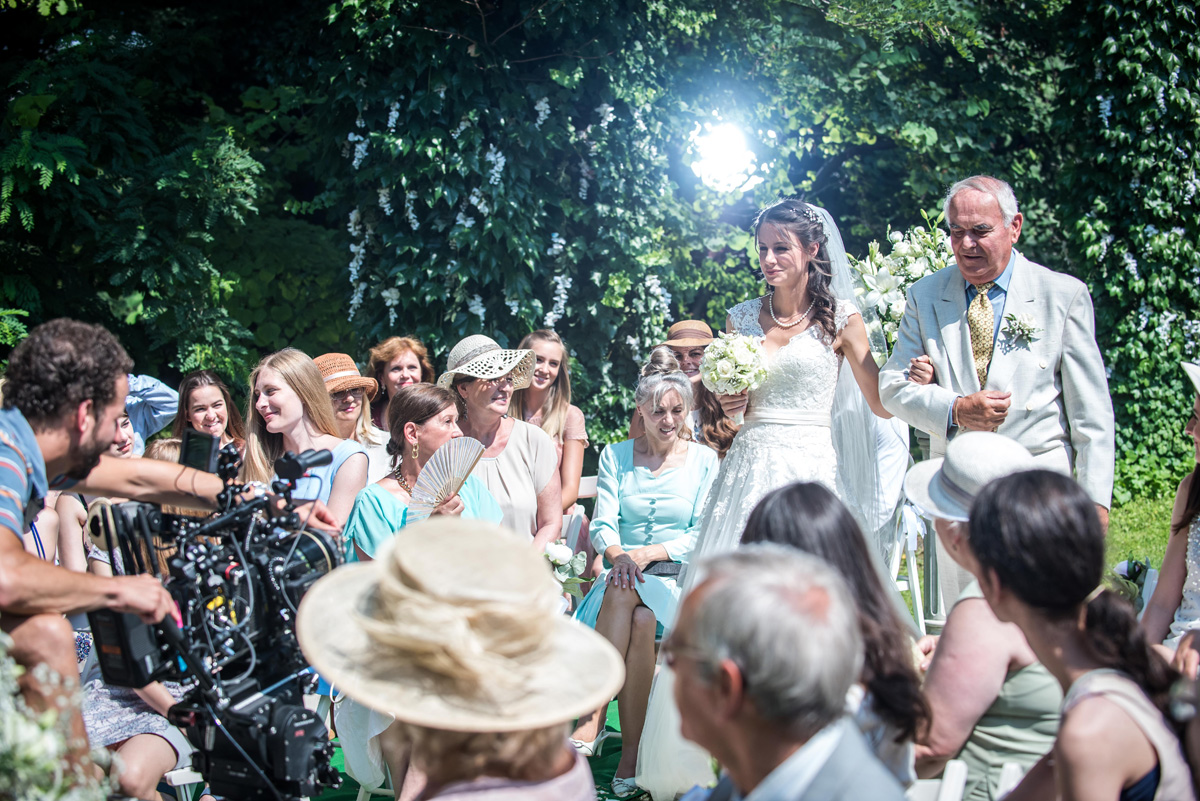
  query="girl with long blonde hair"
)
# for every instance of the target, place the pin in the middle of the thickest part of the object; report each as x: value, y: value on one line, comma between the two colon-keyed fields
x: 290, y: 411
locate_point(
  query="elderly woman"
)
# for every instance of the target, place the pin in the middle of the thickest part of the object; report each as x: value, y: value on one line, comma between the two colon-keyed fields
x: 992, y: 701
x: 423, y: 418
x: 205, y: 405
x: 351, y: 394
x: 1039, y: 547
x: 650, y: 493
x: 520, y: 464
x: 478, y: 674
x: 397, y: 362
x: 290, y: 411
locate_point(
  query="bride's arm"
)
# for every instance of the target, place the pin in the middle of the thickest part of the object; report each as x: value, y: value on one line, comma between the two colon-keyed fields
x: 857, y: 353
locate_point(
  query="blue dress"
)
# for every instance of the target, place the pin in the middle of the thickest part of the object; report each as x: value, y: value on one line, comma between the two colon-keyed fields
x: 317, y: 485
x: 635, y: 508
x: 378, y: 514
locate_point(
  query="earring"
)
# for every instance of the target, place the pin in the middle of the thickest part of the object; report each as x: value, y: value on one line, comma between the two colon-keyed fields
x: 415, y: 452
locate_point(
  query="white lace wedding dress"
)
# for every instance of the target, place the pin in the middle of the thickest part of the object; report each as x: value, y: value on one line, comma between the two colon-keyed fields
x: 786, y: 438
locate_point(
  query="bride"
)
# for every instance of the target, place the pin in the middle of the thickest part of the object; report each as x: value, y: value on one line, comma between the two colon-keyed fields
x: 809, y: 420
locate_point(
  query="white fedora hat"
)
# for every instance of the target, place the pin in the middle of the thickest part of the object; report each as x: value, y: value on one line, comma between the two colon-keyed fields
x: 946, y: 487
x: 1193, y: 372
x: 482, y: 357
x: 455, y: 626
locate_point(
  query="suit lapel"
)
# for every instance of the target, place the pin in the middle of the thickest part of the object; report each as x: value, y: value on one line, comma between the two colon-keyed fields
x: 1006, y: 352
x: 951, y: 313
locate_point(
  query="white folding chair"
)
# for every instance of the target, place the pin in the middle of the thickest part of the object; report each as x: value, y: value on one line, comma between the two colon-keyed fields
x: 187, y: 782
x: 950, y: 787
x: 572, y: 525
x: 911, y: 579
x: 1010, y: 776
x: 587, y: 487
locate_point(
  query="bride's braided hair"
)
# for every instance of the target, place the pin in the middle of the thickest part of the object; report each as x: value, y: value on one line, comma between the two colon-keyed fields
x: 802, y: 221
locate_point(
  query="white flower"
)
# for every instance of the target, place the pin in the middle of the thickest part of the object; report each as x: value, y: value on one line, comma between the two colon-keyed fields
x: 475, y: 307
x: 896, y: 236
x: 558, y: 553
x: 606, y: 114
x: 393, y: 115
x: 497, y: 160
x: 464, y: 220
x: 390, y: 296
x: 542, y: 107
x: 409, y: 214
x: 385, y: 200
x: 557, y: 243
x: 477, y: 200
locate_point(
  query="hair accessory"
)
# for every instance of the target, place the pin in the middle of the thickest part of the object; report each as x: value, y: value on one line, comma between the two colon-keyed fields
x: 482, y: 357
x: 945, y: 488
x: 340, y: 373
x: 811, y: 214
x: 405, y: 635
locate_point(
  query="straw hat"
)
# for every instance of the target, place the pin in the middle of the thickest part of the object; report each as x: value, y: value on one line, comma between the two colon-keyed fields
x: 1193, y: 372
x: 481, y: 357
x: 689, y: 333
x: 455, y: 625
x: 341, y: 373
x: 946, y: 487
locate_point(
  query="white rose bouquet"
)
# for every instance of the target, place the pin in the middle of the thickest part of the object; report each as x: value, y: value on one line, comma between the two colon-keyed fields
x: 732, y: 364
x: 567, y: 567
x: 882, y: 281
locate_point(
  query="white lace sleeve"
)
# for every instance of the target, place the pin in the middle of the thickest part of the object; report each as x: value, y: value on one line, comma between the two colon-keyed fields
x: 842, y: 313
x: 744, y: 317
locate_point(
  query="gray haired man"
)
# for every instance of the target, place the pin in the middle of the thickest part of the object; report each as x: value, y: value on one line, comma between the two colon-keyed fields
x: 764, y: 650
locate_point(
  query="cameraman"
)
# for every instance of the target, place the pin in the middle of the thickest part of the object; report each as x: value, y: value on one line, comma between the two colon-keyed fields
x: 65, y: 388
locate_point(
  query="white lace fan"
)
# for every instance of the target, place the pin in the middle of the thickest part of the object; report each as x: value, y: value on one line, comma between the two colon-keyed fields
x: 443, y: 475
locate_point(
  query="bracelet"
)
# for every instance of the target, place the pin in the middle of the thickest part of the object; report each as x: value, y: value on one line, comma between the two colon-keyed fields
x: 954, y: 411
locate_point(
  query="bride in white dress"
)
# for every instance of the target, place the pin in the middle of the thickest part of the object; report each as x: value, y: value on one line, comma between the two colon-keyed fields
x: 810, y: 420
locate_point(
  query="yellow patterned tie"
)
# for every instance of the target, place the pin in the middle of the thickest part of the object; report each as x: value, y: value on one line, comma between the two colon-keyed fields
x: 981, y: 318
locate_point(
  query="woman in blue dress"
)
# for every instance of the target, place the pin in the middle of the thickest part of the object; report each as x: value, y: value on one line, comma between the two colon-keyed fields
x: 421, y: 418
x: 650, y: 493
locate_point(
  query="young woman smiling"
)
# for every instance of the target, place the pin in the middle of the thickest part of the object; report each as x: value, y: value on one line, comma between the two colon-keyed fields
x: 205, y: 405
x: 290, y: 411
x: 351, y: 394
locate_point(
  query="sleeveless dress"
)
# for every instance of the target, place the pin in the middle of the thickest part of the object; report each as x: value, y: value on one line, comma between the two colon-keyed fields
x: 1187, y: 616
x: 786, y: 438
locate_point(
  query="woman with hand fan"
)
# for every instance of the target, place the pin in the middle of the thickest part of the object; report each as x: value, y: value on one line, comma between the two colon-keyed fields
x: 423, y: 420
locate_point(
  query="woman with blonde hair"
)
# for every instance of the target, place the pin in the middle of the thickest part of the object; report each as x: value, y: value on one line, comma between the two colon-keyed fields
x: 351, y: 394
x: 397, y: 362
x: 290, y: 411
x: 546, y: 403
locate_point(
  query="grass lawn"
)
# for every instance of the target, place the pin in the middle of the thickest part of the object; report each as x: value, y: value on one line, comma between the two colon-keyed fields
x: 1139, y: 528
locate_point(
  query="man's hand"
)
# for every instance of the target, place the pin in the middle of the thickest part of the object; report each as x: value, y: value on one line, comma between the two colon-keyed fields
x: 142, y: 595
x: 734, y: 404
x: 982, y: 411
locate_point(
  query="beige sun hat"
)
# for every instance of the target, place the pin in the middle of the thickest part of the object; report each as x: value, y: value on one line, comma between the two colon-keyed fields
x: 1193, y: 372
x: 481, y: 357
x: 339, y: 372
x: 455, y: 625
x: 946, y: 487
x: 689, y: 333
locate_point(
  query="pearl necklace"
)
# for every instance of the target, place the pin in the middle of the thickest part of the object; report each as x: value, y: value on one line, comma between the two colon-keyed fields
x: 771, y: 309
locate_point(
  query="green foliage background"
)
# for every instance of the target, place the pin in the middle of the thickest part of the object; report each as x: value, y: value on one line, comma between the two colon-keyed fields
x: 217, y: 181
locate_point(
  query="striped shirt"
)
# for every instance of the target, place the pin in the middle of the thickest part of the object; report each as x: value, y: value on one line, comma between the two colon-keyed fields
x: 23, y: 482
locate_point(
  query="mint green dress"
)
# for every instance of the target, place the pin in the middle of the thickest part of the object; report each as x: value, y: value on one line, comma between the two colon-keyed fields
x: 1020, y: 726
x: 378, y: 514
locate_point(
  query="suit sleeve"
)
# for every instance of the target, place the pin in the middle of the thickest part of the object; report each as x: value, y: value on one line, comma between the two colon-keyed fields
x: 925, y: 407
x: 1086, y: 401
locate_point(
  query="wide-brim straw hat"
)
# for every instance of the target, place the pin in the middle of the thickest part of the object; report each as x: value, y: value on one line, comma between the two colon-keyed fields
x: 455, y: 625
x: 946, y: 487
x: 340, y: 373
x: 1193, y: 372
x: 482, y: 357
x: 688, y: 334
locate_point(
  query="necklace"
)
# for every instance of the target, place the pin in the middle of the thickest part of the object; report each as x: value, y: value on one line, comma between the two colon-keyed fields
x: 771, y: 309
x: 400, y: 480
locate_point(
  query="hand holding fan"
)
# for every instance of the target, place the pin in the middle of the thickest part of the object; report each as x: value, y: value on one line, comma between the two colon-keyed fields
x: 443, y: 475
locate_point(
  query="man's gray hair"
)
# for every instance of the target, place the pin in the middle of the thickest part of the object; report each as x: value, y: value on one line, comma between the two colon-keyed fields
x: 789, y: 623
x: 993, y: 186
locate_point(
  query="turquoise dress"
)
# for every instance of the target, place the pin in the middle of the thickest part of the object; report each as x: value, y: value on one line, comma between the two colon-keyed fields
x: 378, y: 514
x: 634, y: 508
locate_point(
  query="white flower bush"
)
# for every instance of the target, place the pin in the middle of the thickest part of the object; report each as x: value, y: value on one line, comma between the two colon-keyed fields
x: 882, y: 280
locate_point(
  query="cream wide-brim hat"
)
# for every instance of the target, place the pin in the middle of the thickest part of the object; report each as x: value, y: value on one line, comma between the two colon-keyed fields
x: 463, y: 592
x: 1193, y: 372
x: 482, y: 357
x: 945, y: 488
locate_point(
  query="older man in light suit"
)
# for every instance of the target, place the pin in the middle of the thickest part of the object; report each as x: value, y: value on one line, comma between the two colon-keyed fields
x: 764, y: 650
x: 1012, y: 348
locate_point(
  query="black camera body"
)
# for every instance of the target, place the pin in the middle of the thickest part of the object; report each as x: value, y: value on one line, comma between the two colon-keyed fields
x: 238, y: 579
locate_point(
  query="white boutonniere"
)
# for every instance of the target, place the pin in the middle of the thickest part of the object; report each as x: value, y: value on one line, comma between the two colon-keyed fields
x: 1020, y: 327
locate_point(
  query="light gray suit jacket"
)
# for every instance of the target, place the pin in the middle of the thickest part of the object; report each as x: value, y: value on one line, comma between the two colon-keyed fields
x: 1060, y: 407
x: 852, y: 773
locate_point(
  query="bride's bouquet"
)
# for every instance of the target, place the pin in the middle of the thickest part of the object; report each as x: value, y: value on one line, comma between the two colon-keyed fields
x: 732, y: 364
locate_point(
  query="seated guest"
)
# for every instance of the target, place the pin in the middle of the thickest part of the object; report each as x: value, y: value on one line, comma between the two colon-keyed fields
x: 520, y: 464
x: 205, y: 405
x: 1173, y: 614
x: 478, y: 674
x: 290, y: 411
x: 766, y: 647
x: 886, y: 700
x: 546, y: 403
x: 1039, y: 546
x: 395, y: 363
x: 351, y: 394
x: 992, y: 701
x: 650, y: 494
x: 423, y: 417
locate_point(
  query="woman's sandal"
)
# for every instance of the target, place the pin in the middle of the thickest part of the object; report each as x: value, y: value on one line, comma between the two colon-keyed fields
x: 594, y: 748
x: 625, y: 787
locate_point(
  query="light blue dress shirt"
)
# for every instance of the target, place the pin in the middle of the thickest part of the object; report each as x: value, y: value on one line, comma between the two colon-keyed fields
x: 151, y: 406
